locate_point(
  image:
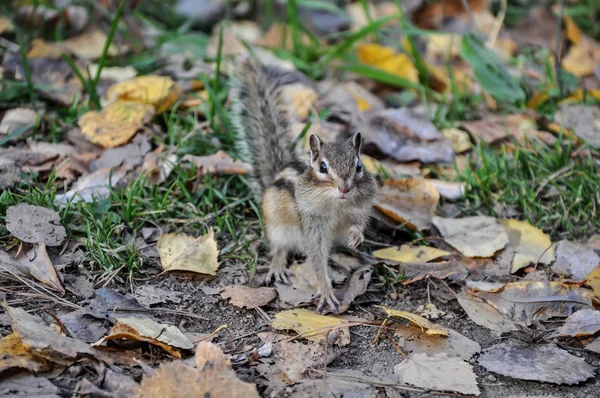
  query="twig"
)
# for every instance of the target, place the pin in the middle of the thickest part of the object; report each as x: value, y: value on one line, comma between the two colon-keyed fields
x: 447, y: 287
x: 396, y: 347
x: 553, y: 176
x: 472, y: 20
x: 212, y: 334
x: 376, y: 339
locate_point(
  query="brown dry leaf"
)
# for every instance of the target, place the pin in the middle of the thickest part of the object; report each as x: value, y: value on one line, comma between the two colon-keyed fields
x: 40, y: 267
x: 485, y: 315
x: 584, y: 120
x: 473, y: 236
x: 529, y: 301
x: 158, y: 91
x: 212, y: 377
x: 167, y: 337
x: 413, y: 339
x: 531, y: 245
x: 116, y: 124
x: 386, y: 59
x: 582, y: 58
x: 582, y: 323
x: 495, y: 128
x: 35, y: 224
x: 410, y: 254
x: 433, y: 14
x: 43, y: 49
x: 18, y: 118
x: 575, y: 260
x: 219, y: 163
x: 179, y: 252
x: 94, y: 185
x: 312, y: 326
x: 406, y: 135
x: 412, y: 202
x: 438, y: 373
x: 13, y: 354
x: 249, y: 297
x: 540, y: 362
x: 425, y: 325
x: 90, y: 45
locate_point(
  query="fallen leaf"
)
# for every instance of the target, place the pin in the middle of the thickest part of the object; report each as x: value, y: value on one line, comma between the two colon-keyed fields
x: 96, y: 185
x: 301, y: 99
x: 148, y: 295
x: 18, y: 119
x: 128, y: 157
x: 528, y: 301
x: 43, y: 49
x: 582, y: 58
x: 27, y: 385
x: 5, y: 25
x: 575, y: 260
x: 410, y: 254
x: 594, y: 242
x: 485, y: 315
x: 35, y: 224
x: 531, y: 245
x: 438, y: 373
x: 443, y: 46
x: 90, y: 45
x: 167, y: 337
x: 473, y: 236
x: 347, y: 101
x: 355, y: 286
x: 312, y: 326
x: 248, y: 297
x: 116, y: 124
x: 40, y: 267
x: 425, y: 325
x: 158, y: 91
x: 85, y: 325
x: 114, y: 73
x: 447, y: 189
x: 386, y: 59
x: 414, y: 340
x: 544, y: 362
x: 212, y: 377
x: 279, y: 36
x: 582, y: 323
x: 460, y: 139
x: 13, y: 354
x: 406, y: 135
x: 496, y: 128
x: 391, y: 169
x: 219, y: 163
x: 582, y: 120
x: 10, y: 173
x: 412, y: 202
x: 292, y: 295
x: 180, y: 252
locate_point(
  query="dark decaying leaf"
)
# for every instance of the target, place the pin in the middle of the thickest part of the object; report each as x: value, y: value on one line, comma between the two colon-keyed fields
x: 10, y: 173
x: 406, y: 135
x: 529, y: 301
x: 35, y: 224
x: 545, y: 362
x: 355, y: 285
x: 26, y: 385
x: 13, y: 354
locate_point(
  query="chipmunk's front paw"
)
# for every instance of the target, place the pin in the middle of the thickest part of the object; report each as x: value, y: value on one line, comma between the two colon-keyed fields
x: 355, y: 237
x: 327, y: 297
x: 281, y: 275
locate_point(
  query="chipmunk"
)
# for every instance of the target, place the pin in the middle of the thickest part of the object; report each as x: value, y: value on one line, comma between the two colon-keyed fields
x: 310, y: 203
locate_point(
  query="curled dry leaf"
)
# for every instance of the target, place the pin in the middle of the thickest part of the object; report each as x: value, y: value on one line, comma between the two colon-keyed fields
x: 35, y: 224
x: 473, y: 236
x: 212, y: 377
x: 249, y: 297
x: 424, y: 324
x: 116, y: 124
x: 415, y: 340
x: 410, y: 254
x: 219, y: 163
x: 13, y: 354
x: 582, y: 323
x: 438, y: 373
x: 531, y: 245
x: 167, y: 337
x: 40, y: 267
x: 158, y: 91
x: 528, y: 301
x: 412, y: 202
x: 180, y: 252
x: 575, y: 260
x: 312, y: 326
x: 545, y: 362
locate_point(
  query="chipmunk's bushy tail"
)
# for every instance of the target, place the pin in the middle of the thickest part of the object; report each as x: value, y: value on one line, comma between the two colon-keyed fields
x: 261, y: 119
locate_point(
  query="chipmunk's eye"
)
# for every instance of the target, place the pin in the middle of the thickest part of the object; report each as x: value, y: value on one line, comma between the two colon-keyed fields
x: 358, y: 166
x: 323, y: 168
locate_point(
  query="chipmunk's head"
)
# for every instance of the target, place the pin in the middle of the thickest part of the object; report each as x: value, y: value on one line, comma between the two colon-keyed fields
x: 336, y: 166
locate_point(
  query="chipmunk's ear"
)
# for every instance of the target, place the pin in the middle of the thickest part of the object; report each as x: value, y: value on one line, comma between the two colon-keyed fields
x: 356, y: 141
x: 315, y: 146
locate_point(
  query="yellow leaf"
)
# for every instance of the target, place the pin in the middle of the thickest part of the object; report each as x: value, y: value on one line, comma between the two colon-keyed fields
x: 90, y: 45
x: 531, y: 244
x: 538, y: 99
x: 593, y: 281
x: 578, y: 96
x: 443, y: 45
x: 311, y: 326
x: 159, y: 91
x: 426, y: 326
x: 386, y: 59
x: 582, y: 58
x: 460, y: 139
x: 572, y: 30
x: 185, y: 253
x: 478, y: 236
x: 43, y: 49
x: 14, y: 354
x: 410, y: 254
x: 116, y: 124
x: 5, y: 25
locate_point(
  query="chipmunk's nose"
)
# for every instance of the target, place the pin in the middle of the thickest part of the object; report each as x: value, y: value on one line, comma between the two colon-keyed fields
x: 344, y: 188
